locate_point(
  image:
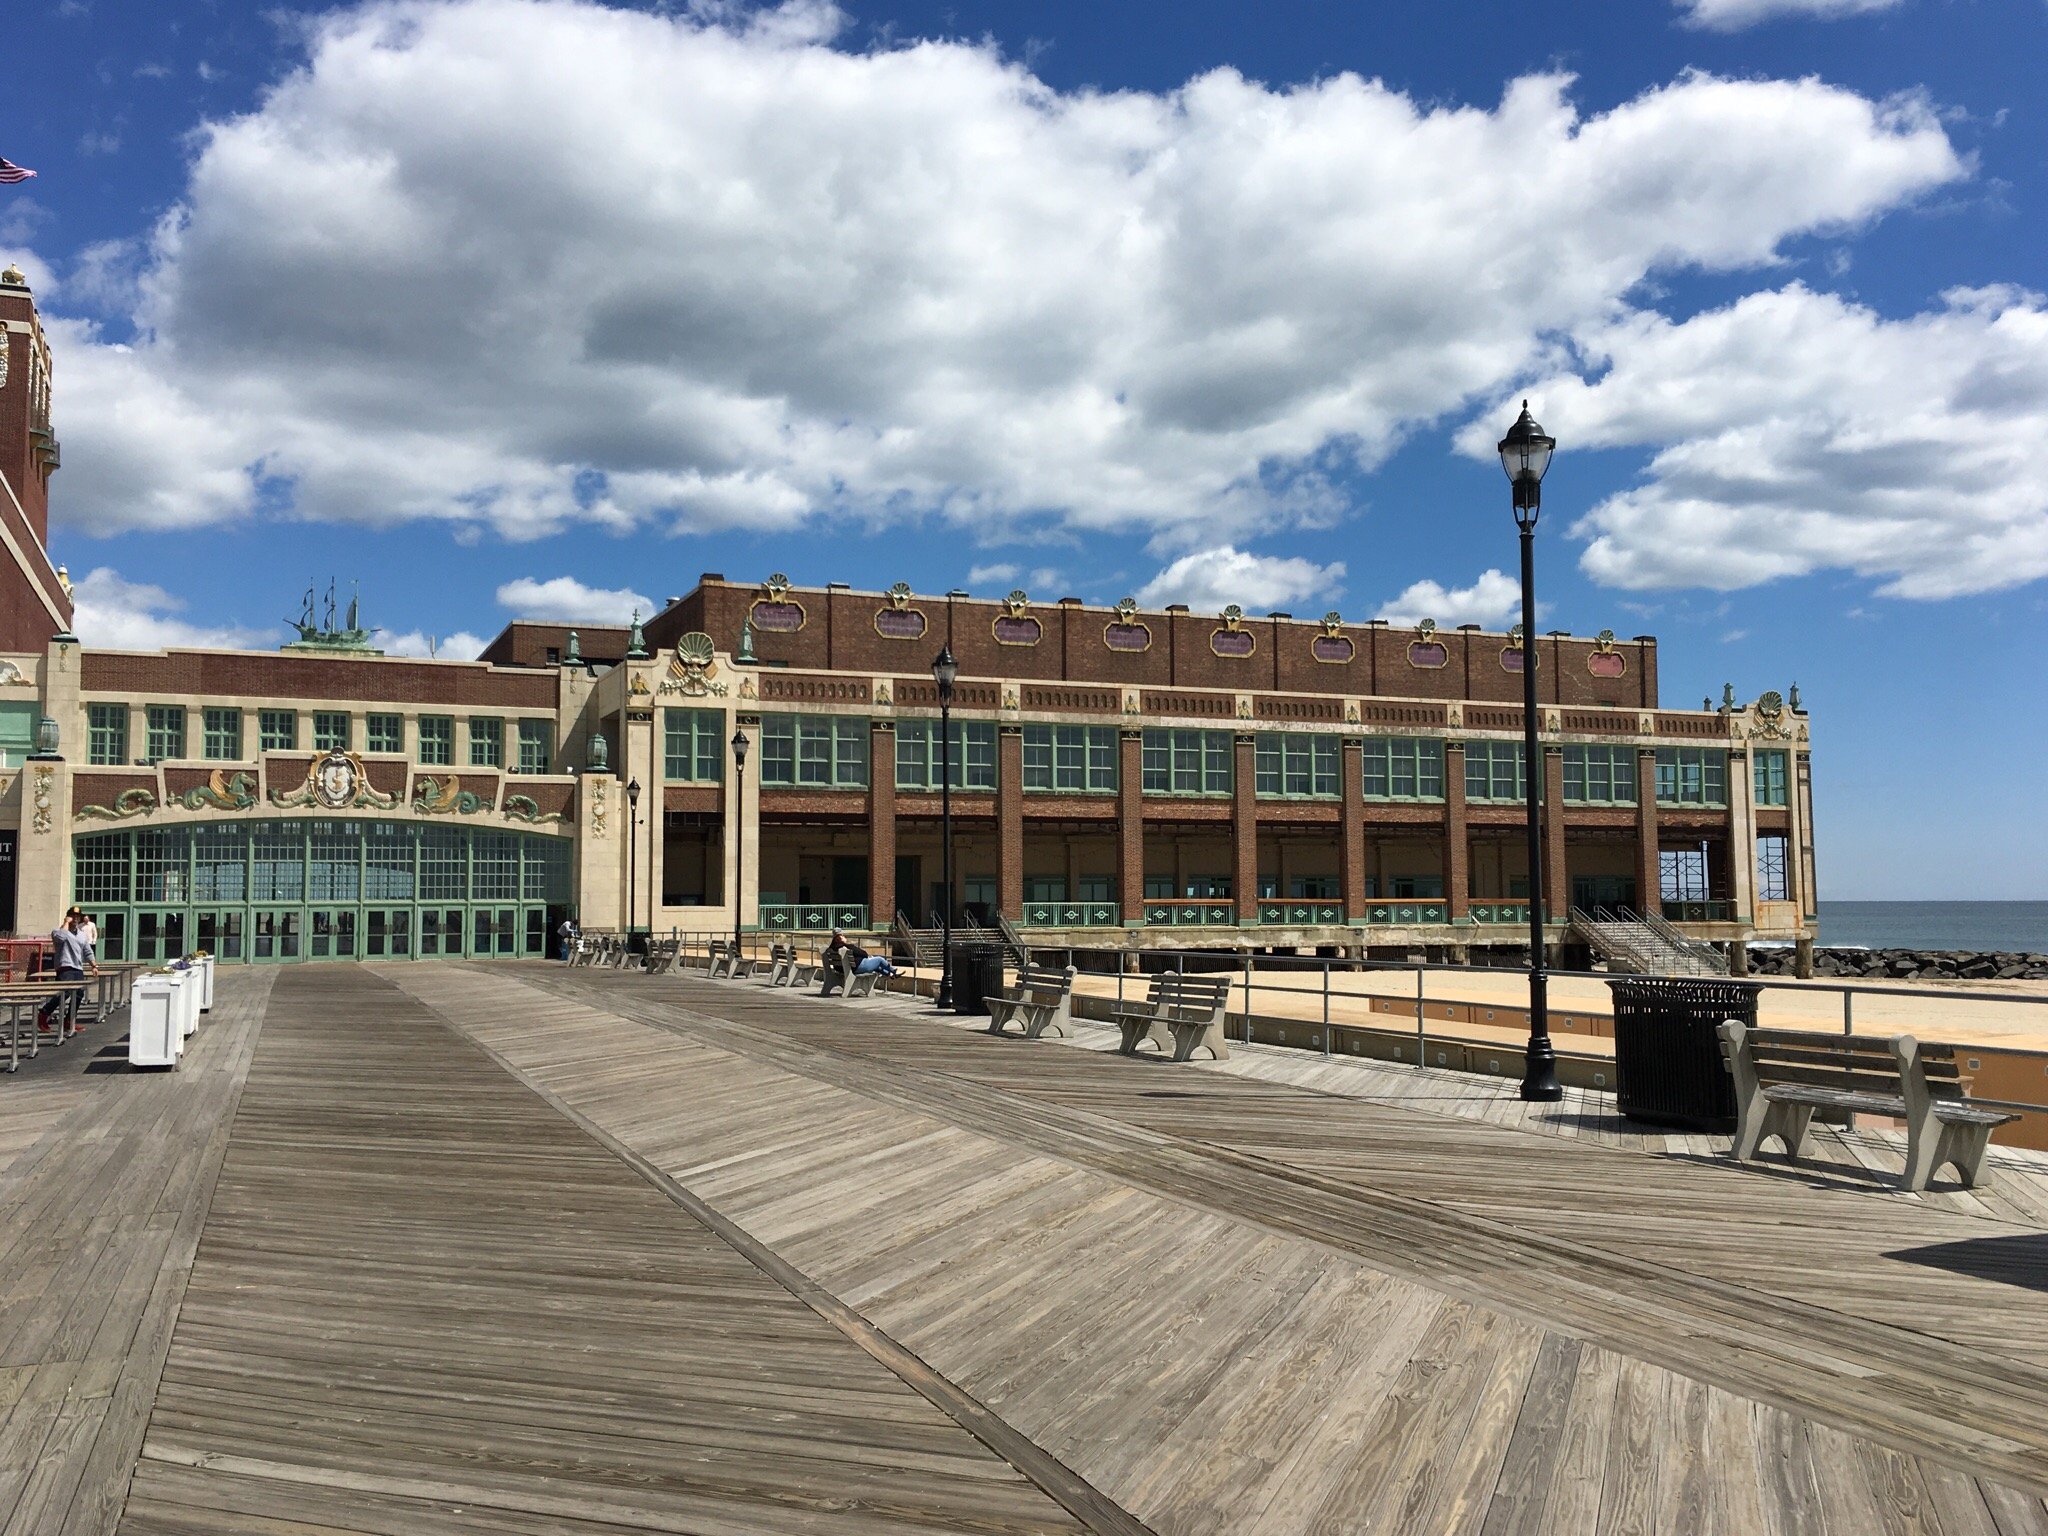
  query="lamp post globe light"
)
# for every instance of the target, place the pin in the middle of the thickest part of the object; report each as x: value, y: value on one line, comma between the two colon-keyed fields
x: 1525, y: 455
x: 945, y: 670
x: 740, y: 744
x: 632, y: 860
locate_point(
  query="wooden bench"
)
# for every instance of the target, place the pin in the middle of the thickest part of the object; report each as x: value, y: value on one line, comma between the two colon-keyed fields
x: 1783, y: 1075
x: 1180, y: 1013
x: 661, y: 956
x: 1043, y: 1003
x: 853, y: 984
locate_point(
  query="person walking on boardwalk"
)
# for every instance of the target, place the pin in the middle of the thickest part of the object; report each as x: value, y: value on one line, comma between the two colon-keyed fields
x: 74, y: 961
x: 567, y: 934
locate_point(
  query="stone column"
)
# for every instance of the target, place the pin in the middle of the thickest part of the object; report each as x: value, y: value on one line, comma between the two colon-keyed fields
x: 1741, y: 839
x: 743, y: 835
x: 1457, y: 835
x: 882, y: 823
x: 1557, y: 886
x: 1351, y: 833
x: 1130, y: 828
x: 1649, y: 874
x: 1010, y: 821
x: 1802, y: 959
x: 1244, y: 829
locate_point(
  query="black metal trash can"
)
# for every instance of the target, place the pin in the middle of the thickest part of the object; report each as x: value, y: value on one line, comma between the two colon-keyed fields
x: 1667, y: 1049
x: 977, y: 972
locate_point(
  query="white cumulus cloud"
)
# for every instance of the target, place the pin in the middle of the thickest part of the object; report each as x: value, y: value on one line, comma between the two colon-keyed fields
x: 1734, y: 15
x: 460, y: 646
x: 565, y: 600
x: 1212, y: 579
x: 112, y: 613
x: 1795, y: 431
x: 528, y: 264
x: 1494, y: 600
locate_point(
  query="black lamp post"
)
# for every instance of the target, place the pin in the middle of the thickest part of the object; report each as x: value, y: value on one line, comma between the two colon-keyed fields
x: 739, y: 800
x: 632, y: 859
x: 1525, y: 455
x: 944, y: 670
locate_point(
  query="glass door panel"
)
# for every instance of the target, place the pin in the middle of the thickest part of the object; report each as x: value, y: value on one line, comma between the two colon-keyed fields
x: 218, y: 933
x: 276, y: 936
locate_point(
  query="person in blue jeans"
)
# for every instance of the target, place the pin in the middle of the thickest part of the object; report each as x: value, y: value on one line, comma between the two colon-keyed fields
x: 567, y: 934
x: 73, y: 957
x: 874, y: 964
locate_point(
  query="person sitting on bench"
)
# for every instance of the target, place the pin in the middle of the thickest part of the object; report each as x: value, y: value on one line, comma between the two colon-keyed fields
x: 841, y: 958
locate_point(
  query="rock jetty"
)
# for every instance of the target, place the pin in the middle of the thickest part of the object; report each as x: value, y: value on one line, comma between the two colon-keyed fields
x: 1906, y: 964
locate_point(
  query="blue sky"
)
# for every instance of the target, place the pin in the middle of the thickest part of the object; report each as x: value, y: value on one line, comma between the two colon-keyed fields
x: 537, y: 305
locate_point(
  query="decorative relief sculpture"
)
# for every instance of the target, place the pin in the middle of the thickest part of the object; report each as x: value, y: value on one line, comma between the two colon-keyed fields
x: 336, y: 782
x: 692, y: 668
x: 221, y: 792
x: 900, y: 621
x: 1233, y: 639
x: 775, y: 611
x: 1124, y: 632
x: 12, y: 676
x: 1512, y: 654
x: 1015, y: 625
x: 600, y: 804
x: 1604, y: 660
x: 1425, y: 650
x: 882, y: 695
x: 1333, y: 645
x: 130, y: 802
x: 45, y: 797
x: 1010, y: 698
x: 446, y: 797
x: 1771, y: 723
x: 526, y: 808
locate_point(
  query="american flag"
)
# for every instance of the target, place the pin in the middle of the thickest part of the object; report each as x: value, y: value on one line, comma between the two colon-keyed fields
x: 11, y: 173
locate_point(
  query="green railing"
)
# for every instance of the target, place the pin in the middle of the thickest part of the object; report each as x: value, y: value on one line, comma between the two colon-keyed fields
x: 1698, y: 912
x: 1071, y: 914
x: 1499, y: 911
x: 1301, y: 914
x: 812, y: 917
x: 1176, y: 913
x: 1408, y: 912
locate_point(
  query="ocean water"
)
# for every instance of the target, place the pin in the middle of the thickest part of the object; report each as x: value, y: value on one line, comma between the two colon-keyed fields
x: 1975, y: 925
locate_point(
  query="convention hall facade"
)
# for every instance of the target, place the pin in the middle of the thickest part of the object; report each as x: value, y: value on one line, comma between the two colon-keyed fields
x: 1123, y: 775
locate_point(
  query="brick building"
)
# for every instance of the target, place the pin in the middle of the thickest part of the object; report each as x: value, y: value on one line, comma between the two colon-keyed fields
x: 1156, y: 778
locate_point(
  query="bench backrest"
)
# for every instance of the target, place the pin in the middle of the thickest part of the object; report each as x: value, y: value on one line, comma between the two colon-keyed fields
x: 1875, y: 1066
x: 1043, y: 978
x: 1173, y: 992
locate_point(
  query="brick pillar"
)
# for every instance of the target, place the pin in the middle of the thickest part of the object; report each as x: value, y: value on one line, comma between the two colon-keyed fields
x: 1010, y: 822
x: 1244, y: 828
x: 1130, y: 828
x: 1351, y: 844
x: 1557, y: 887
x: 1649, y: 878
x: 1457, y: 836
x: 882, y: 823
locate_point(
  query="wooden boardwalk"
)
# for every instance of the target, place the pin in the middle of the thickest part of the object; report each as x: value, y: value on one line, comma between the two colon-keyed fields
x: 436, y: 1248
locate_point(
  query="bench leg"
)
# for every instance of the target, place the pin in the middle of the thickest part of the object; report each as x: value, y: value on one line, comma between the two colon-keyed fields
x: 1960, y: 1146
x: 1764, y: 1121
x: 1048, y: 1024
x: 1190, y: 1038
x: 998, y: 1016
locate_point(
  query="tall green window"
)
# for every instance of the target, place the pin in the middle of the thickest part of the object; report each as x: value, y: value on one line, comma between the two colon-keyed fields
x: 166, y: 731
x: 330, y: 730
x: 1493, y: 771
x: 106, y: 733
x: 814, y: 751
x: 384, y: 733
x: 1298, y: 766
x: 221, y: 735
x: 437, y: 741
x: 536, y: 745
x: 1187, y: 762
x: 1692, y: 776
x: 970, y: 754
x: 18, y: 722
x: 486, y: 741
x: 1070, y: 759
x: 693, y: 746
x: 278, y: 729
x: 1768, y: 769
x: 1403, y: 768
x: 1600, y: 775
